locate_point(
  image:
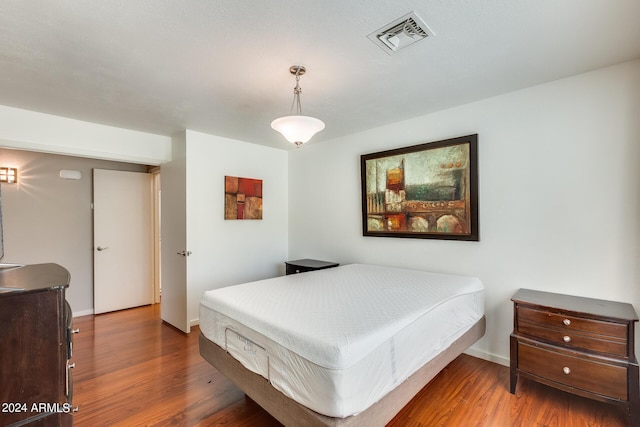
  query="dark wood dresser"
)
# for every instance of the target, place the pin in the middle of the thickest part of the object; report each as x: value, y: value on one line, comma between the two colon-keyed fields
x: 580, y: 345
x: 303, y: 265
x: 35, y: 347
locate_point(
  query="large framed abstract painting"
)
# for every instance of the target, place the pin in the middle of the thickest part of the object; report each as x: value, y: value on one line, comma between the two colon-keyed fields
x: 427, y: 191
x: 242, y: 198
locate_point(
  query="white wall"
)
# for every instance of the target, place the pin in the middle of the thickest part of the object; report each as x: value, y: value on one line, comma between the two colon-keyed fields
x: 29, y: 130
x: 227, y: 252
x: 559, y: 195
x: 48, y: 219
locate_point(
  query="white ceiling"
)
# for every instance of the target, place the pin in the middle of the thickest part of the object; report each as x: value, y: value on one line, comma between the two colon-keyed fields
x: 221, y: 66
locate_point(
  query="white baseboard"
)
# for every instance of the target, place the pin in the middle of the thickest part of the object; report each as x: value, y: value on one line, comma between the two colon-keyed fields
x: 83, y: 313
x: 480, y: 354
x: 194, y: 322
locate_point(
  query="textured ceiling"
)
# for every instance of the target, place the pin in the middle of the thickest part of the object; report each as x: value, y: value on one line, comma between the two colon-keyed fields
x: 221, y: 66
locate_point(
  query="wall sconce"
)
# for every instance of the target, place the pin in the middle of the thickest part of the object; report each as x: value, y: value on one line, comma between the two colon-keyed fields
x: 8, y: 175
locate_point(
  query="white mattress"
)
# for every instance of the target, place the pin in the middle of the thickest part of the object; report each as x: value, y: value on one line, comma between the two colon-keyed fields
x: 338, y: 340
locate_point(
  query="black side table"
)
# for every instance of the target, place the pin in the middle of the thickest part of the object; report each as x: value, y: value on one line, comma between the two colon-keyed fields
x: 302, y: 265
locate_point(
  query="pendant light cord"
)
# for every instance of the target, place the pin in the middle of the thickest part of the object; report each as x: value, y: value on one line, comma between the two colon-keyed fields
x: 296, y: 95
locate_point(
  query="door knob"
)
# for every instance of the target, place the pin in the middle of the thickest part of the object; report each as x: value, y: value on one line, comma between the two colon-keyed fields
x: 184, y: 253
x: 102, y: 248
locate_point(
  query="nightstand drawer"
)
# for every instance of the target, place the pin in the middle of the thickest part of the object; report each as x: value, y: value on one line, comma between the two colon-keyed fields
x: 581, y: 373
x: 571, y: 339
x: 572, y: 323
x: 304, y: 265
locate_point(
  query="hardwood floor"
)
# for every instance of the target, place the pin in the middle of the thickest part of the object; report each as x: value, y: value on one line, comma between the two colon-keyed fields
x: 134, y: 370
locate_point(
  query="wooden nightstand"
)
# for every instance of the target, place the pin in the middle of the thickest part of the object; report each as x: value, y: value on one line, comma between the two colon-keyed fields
x: 302, y: 265
x: 580, y: 345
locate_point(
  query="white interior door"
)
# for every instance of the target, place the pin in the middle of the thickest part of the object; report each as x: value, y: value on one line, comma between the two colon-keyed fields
x: 173, y: 309
x: 122, y: 240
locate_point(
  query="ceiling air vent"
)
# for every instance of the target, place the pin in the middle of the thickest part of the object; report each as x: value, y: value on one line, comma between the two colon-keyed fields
x: 401, y: 33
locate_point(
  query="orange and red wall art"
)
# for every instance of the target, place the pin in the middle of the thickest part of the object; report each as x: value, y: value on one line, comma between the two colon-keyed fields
x: 242, y: 198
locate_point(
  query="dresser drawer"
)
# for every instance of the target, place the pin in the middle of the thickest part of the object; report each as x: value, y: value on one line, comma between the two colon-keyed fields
x: 573, y: 323
x: 585, y: 374
x: 568, y: 338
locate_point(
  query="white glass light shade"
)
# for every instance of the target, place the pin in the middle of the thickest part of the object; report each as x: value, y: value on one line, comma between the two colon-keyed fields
x: 297, y: 129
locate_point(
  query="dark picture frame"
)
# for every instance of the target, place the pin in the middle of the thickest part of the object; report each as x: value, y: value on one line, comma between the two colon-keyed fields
x: 425, y: 191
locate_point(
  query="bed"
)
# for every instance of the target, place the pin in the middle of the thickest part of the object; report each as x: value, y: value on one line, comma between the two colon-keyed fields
x: 346, y: 346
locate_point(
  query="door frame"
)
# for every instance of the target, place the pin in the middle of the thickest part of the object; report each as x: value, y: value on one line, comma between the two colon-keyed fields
x: 157, y: 238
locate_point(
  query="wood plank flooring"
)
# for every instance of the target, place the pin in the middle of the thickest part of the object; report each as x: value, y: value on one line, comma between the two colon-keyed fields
x: 134, y: 370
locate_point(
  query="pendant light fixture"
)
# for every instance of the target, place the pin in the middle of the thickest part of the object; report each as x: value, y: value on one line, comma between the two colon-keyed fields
x: 297, y: 128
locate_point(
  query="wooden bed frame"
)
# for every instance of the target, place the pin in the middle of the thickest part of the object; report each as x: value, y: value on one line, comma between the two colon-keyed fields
x: 291, y: 413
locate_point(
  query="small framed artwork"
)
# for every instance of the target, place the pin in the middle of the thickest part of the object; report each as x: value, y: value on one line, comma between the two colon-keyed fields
x: 242, y: 198
x: 426, y: 191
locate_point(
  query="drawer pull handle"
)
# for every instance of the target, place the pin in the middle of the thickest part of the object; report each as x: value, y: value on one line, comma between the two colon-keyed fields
x: 566, y: 370
x: 76, y: 409
x: 72, y: 365
x: 566, y: 322
x: 566, y: 338
x: 75, y: 331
